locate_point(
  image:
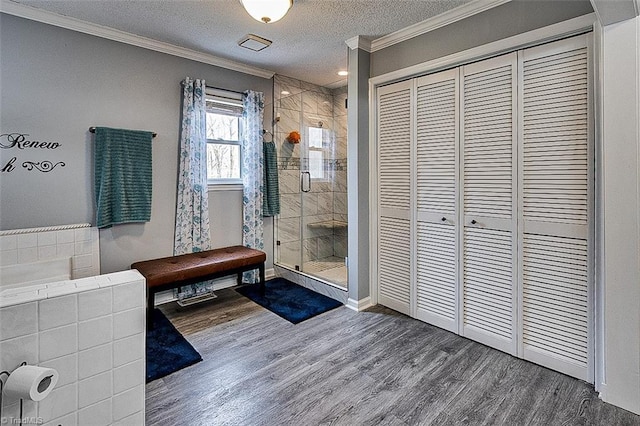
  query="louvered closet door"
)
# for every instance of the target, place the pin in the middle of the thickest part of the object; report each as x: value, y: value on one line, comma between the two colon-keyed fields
x: 555, y: 207
x: 395, y: 123
x: 436, y: 200
x: 488, y: 301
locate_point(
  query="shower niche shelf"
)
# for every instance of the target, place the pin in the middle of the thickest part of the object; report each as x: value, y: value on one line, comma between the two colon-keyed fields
x: 328, y: 224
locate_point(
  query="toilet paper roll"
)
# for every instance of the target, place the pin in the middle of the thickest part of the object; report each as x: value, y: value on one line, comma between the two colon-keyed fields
x: 31, y: 382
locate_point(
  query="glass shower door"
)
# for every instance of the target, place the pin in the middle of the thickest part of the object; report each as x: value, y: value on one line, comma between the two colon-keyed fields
x: 311, y: 230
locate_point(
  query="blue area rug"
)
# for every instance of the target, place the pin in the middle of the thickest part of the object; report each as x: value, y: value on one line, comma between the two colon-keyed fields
x: 167, y: 349
x: 288, y: 300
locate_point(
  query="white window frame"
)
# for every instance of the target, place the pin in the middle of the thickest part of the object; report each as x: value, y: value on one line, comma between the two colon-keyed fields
x: 323, y: 150
x: 234, y: 100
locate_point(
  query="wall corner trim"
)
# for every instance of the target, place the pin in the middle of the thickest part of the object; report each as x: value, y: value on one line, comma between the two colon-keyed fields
x: 457, y: 14
x: 359, y: 42
x: 359, y: 305
x: 22, y: 11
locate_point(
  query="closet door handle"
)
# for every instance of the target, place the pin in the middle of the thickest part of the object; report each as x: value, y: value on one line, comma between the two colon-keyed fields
x: 308, y: 182
x: 444, y: 219
x: 473, y: 222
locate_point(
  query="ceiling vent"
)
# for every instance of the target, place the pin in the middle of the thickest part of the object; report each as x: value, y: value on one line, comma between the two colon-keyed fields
x: 254, y: 42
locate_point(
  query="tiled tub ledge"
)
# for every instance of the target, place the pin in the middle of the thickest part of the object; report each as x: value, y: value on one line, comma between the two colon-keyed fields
x: 30, y: 293
x: 92, y: 331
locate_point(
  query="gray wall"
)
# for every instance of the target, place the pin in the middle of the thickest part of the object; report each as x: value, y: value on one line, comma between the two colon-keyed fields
x: 515, y: 17
x: 57, y: 83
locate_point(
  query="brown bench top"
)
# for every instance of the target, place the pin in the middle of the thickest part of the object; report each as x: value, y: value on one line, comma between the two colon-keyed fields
x: 194, y: 265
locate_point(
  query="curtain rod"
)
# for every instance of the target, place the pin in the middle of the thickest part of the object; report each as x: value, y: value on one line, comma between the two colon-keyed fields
x: 93, y: 130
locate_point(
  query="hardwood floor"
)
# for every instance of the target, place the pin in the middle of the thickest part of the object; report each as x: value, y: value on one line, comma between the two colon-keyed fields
x: 346, y: 368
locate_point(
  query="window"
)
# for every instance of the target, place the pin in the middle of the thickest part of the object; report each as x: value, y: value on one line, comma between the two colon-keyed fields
x: 316, y: 153
x: 224, y: 136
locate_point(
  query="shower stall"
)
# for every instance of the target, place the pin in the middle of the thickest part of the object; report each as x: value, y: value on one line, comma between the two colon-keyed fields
x: 311, y: 229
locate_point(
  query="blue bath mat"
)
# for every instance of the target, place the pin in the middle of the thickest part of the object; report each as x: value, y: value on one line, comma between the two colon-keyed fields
x: 167, y: 350
x: 288, y: 300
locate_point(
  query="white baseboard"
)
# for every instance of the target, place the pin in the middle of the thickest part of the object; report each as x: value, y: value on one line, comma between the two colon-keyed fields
x: 359, y: 305
x: 269, y: 273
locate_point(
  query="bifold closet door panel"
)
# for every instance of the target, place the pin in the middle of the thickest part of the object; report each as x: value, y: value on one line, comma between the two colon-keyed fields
x: 436, y: 199
x: 488, y: 179
x: 394, y: 135
x: 556, y: 185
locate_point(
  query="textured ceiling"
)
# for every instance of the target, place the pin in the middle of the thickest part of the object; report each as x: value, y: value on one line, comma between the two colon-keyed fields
x: 308, y: 43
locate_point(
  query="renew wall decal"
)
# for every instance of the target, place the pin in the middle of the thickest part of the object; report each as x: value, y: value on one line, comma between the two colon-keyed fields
x: 19, y: 141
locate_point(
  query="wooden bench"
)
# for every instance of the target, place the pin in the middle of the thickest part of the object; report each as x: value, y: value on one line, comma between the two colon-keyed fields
x: 175, y: 271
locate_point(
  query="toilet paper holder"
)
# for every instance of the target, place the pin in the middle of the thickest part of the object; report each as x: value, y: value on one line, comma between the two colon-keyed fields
x: 27, y: 382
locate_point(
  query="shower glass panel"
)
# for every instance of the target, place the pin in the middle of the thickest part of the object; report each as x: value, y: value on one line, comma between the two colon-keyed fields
x: 311, y: 230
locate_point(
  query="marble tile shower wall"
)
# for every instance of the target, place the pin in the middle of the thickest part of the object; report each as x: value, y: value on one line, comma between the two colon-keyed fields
x: 300, y: 105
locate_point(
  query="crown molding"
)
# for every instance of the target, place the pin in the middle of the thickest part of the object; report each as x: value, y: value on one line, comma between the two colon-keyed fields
x: 46, y: 17
x: 359, y: 42
x: 438, y: 21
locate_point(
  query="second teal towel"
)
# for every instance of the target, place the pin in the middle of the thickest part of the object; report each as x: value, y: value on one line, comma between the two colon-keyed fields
x: 123, y: 180
x: 271, y: 195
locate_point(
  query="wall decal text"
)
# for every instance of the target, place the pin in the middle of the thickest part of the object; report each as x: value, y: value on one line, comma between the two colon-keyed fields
x: 20, y: 142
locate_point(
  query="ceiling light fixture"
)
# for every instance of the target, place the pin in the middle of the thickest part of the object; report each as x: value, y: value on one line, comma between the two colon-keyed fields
x: 267, y: 11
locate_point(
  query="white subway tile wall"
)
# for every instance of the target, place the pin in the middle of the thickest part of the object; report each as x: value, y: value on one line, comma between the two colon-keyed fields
x: 81, y: 245
x: 93, y: 335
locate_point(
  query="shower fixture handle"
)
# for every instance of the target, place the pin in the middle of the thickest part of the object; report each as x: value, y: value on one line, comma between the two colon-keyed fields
x: 307, y: 187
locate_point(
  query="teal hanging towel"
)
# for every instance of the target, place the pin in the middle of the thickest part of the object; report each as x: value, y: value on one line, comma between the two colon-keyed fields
x: 122, y: 160
x: 271, y: 196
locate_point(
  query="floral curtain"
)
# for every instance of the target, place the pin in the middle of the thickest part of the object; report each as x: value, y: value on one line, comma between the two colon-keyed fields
x: 192, y: 207
x: 252, y: 178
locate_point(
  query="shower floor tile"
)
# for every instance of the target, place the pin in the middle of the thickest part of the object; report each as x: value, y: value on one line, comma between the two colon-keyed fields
x: 331, y: 269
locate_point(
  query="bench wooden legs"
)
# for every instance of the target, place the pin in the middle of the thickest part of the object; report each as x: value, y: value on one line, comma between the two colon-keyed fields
x: 262, y: 283
x: 150, y: 302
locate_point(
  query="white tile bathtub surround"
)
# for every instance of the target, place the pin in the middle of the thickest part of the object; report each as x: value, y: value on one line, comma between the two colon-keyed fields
x: 58, y: 312
x: 95, y: 332
x: 32, y: 245
x: 127, y: 403
x: 95, y: 389
x: 93, y: 335
x: 128, y: 323
x: 127, y: 377
x: 94, y: 304
x: 134, y: 419
x: 126, y: 296
x: 12, y: 322
x: 66, y: 366
x: 61, y: 401
x: 99, y: 414
x: 58, y: 342
x: 12, y: 411
x: 95, y: 360
x: 68, y: 420
x: 128, y: 350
